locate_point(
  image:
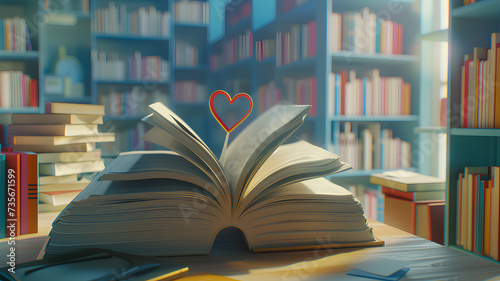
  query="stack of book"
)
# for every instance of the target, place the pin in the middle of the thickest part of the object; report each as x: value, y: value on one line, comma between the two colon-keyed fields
x: 362, y: 32
x: 142, y: 22
x: 479, y: 88
x: 413, y: 202
x: 298, y: 44
x: 373, y: 148
x: 19, y: 196
x: 64, y: 139
x: 14, y: 35
x: 478, y: 197
x: 371, y: 95
x: 17, y: 89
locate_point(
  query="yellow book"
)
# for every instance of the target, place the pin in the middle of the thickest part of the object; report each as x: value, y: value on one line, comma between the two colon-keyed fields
x: 487, y: 218
x: 495, y: 196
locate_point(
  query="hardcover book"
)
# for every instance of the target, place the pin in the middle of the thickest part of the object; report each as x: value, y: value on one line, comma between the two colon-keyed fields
x: 175, y: 202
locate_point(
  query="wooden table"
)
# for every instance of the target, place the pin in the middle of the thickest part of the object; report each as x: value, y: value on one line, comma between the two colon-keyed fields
x: 427, y: 260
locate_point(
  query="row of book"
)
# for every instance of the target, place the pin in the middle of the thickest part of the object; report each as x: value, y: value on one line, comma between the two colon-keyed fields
x: 14, y: 35
x: 127, y: 139
x: 19, y: 196
x: 478, y: 197
x: 372, y: 148
x: 298, y: 44
x: 267, y: 96
x: 371, y: 95
x: 265, y: 48
x: 413, y: 202
x: 371, y: 199
x: 191, y: 11
x: 190, y: 91
x: 300, y: 91
x: 133, y: 103
x: 58, y: 6
x: 479, y: 87
x: 233, y: 50
x: 362, y: 32
x: 137, y: 68
x: 142, y: 22
x: 236, y: 14
x: 17, y: 89
x: 186, y: 54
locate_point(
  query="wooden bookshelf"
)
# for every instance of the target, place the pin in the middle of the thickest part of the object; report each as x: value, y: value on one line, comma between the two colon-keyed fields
x: 470, y: 26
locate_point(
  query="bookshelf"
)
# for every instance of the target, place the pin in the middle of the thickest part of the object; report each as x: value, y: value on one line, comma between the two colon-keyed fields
x: 26, y: 60
x: 321, y: 128
x: 469, y: 26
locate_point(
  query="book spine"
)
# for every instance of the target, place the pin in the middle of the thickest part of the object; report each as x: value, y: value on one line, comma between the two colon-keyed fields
x: 32, y: 193
x: 13, y: 194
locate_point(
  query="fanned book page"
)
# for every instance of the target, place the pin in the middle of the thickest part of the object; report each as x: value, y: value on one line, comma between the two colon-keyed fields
x: 175, y: 202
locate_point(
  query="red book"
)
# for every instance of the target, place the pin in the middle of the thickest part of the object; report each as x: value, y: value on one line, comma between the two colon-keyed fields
x: 312, y: 39
x: 13, y: 193
x: 32, y: 192
x: 400, y: 41
x: 24, y: 91
x: 23, y: 182
x: 34, y: 93
x: 394, y: 37
x: 474, y: 194
x: 343, y: 79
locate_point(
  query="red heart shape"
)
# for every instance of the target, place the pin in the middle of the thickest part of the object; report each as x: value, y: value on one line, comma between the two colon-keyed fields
x: 231, y: 101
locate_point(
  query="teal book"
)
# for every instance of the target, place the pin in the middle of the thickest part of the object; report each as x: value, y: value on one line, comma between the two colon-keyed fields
x: 2, y: 35
x: 377, y: 37
x: 2, y: 196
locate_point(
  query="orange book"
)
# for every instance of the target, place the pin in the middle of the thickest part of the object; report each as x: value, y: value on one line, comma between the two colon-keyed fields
x: 32, y: 192
x: 13, y: 201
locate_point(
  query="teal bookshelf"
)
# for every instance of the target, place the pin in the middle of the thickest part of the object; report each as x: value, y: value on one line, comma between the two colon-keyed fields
x: 469, y: 26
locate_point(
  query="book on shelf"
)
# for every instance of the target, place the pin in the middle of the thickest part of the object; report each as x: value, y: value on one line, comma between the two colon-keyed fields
x: 136, y: 68
x: 371, y: 95
x: 373, y: 148
x: 249, y: 188
x: 55, y: 119
x: 194, y: 12
x: 268, y: 95
x: 17, y: 90
x: 14, y: 35
x: 265, y: 48
x: 233, y: 50
x: 144, y: 21
x: 480, y: 77
x: 186, y: 54
x: 190, y: 91
x: 363, y: 32
x: 408, y: 181
x: 300, y: 91
x: 133, y: 103
x: 296, y: 45
x: 371, y: 199
x: 413, y: 217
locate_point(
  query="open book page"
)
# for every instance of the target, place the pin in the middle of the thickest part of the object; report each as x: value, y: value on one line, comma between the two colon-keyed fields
x: 301, y: 213
x: 161, y: 137
x: 164, y: 118
x: 290, y: 163
x: 143, y: 165
x: 257, y: 141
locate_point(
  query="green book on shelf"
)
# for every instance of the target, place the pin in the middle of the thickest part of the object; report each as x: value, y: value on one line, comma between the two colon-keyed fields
x: 176, y: 202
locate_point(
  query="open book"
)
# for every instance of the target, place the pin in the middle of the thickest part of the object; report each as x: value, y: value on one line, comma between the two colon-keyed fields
x: 175, y: 202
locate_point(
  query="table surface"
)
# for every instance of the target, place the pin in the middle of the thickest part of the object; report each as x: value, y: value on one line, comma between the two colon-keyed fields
x: 426, y: 260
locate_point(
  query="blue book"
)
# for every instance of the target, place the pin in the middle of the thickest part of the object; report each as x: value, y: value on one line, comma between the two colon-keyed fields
x: 377, y: 37
x: 2, y: 35
x: 2, y: 196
